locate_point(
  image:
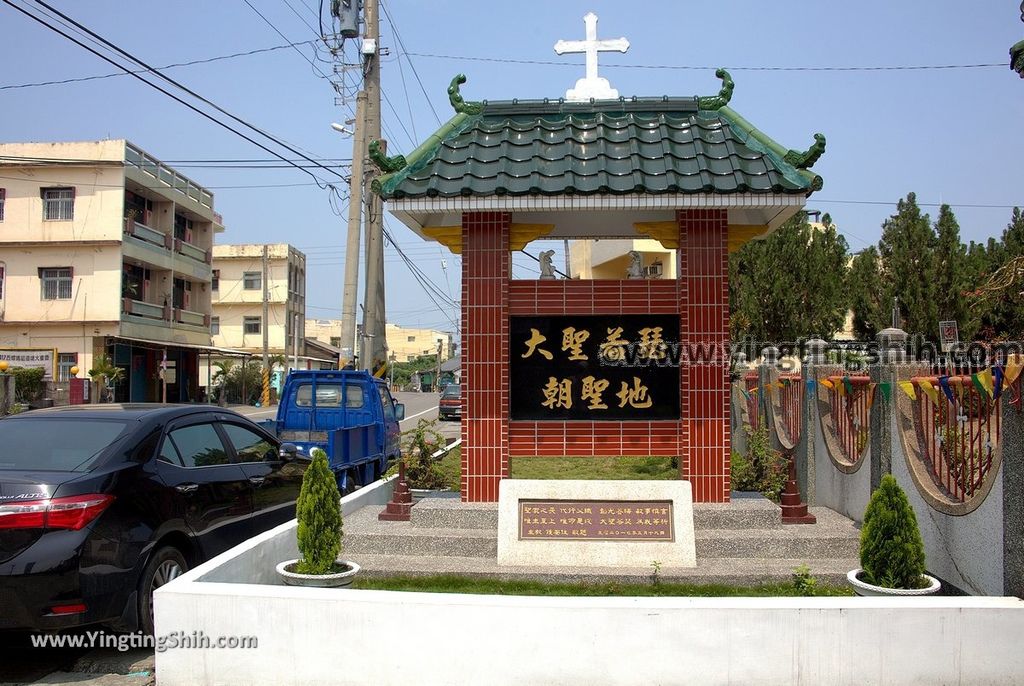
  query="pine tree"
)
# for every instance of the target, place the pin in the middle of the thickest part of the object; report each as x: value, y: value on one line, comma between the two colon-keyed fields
x: 952, y: 279
x: 891, y: 549
x: 871, y: 313
x: 790, y: 285
x: 908, y: 267
x: 318, y: 510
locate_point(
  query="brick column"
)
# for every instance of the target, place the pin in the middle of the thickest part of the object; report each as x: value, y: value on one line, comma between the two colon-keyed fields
x: 485, y: 273
x: 704, y: 327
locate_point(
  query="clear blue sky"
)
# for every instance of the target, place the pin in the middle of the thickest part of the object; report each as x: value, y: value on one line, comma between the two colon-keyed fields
x: 951, y: 135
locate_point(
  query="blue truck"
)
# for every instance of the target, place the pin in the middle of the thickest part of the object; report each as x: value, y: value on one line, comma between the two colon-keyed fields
x: 350, y: 414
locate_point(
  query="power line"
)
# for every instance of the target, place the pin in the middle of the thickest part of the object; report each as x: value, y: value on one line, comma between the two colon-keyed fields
x: 915, y: 67
x: 158, y: 188
x: 168, y: 79
x: 166, y: 66
x: 401, y: 44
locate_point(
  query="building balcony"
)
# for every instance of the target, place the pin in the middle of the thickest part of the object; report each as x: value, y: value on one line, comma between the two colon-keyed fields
x: 150, y: 313
x: 160, y: 249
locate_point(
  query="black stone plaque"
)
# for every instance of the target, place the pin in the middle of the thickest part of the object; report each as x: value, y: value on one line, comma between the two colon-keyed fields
x: 597, y: 367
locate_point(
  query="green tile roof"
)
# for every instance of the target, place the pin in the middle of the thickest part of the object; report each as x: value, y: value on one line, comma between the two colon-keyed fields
x: 625, y: 146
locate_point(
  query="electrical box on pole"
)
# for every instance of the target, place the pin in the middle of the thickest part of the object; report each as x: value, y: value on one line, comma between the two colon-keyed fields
x: 347, y: 14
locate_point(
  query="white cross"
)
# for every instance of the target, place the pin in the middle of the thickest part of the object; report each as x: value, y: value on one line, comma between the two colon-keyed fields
x: 591, y: 86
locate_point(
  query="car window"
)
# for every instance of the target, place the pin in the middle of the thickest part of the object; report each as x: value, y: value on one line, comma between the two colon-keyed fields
x: 56, y: 443
x: 249, y: 445
x: 329, y: 395
x: 451, y: 392
x: 168, y: 453
x: 199, y: 446
x: 385, y: 402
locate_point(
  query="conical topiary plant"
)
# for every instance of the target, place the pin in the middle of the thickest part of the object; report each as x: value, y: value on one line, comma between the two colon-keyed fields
x: 319, y: 513
x: 891, y: 549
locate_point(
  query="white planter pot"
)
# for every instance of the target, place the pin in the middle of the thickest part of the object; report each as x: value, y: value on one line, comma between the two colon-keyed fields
x: 291, y: 578
x: 863, y: 588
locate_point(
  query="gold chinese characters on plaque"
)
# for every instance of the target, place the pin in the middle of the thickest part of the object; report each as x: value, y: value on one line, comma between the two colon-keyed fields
x: 596, y: 520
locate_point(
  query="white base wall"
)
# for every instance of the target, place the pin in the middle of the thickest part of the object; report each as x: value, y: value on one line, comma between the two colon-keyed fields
x: 327, y: 636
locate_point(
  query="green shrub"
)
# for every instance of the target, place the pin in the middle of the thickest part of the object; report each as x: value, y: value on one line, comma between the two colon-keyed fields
x: 418, y: 444
x: 761, y: 469
x: 28, y: 383
x: 804, y: 582
x: 891, y: 549
x: 319, y: 513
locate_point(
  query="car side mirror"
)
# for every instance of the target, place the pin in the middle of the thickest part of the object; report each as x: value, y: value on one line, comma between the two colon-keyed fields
x: 288, y: 452
x: 399, y: 411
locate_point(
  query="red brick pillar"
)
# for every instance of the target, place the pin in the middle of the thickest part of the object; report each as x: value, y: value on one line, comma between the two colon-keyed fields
x: 485, y: 272
x: 704, y: 328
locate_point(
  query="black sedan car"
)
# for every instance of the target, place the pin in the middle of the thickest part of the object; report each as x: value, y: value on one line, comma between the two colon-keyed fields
x: 102, y: 504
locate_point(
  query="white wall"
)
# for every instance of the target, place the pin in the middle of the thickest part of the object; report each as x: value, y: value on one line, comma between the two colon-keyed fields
x: 344, y: 636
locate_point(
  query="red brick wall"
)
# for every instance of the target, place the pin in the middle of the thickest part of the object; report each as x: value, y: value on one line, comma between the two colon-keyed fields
x: 580, y: 438
x: 700, y: 438
x: 704, y: 319
x: 485, y: 271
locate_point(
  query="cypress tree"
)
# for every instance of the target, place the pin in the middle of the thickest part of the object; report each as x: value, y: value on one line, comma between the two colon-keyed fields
x: 908, y: 269
x: 952, y: 279
x: 318, y: 510
x: 891, y: 549
x: 871, y: 313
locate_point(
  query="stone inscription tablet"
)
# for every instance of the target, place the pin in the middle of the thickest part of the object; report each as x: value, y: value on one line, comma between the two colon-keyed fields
x: 596, y: 520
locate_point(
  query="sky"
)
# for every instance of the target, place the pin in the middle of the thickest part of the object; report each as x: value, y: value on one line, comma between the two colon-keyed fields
x: 950, y: 135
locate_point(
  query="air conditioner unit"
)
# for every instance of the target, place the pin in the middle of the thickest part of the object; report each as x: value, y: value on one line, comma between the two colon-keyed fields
x: 653, y: 271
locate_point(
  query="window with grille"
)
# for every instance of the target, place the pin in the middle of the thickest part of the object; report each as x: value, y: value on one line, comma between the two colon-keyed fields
x: 2, y: 270
x: 251, y: 324
x: 3, y: 197
x: 252, y: 281
x: 65, y: 361
x: 56, y: 283
x: 58, y: 204
x: 214, y: 326
x: 215, y: 280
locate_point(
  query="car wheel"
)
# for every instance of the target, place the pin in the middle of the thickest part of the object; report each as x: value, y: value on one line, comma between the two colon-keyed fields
x: 165, y: 565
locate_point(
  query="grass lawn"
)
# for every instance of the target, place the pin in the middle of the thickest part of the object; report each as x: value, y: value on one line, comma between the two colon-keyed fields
x: 569, y: 468
x: 457, y: 584
x: 592, y: 468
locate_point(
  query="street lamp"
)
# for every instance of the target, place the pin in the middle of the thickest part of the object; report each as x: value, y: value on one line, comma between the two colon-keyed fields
x: 342, y: 129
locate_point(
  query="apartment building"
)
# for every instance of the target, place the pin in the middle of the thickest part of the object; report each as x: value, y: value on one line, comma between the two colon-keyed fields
x: 242, y: 276
x: 105, y: 250
x: 404, y: 343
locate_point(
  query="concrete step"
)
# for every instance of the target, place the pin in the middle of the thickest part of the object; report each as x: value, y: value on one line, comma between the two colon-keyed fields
x: 409, y: 540
x: 746, y: 511
x: 733, y: 571
x: 766, y: 544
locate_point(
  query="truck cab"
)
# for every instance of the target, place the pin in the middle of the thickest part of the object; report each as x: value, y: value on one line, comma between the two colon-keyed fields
x: 349, y: 414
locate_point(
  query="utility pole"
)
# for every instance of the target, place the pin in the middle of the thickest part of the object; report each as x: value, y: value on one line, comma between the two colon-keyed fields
x: 437, y: 378
x: 374, y: 359
x: 568, y: 266
x: 295, y: 339
x: 355, y: 213
x: 265, y: 398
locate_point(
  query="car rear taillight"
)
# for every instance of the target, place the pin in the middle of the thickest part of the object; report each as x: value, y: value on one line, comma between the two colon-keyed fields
x: 72, y: 512
x: 71, y: 609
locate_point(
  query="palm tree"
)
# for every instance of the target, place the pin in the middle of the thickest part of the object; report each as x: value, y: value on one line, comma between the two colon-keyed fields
x: 105, y: 375
x: 224, y: 368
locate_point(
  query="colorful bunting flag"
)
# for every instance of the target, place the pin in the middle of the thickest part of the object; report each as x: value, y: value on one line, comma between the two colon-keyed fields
x: 826, y: 383
x: 871, y: 394
x: 810, y: 385
x: 908, y: 388
x: 982, y: 391
x: 848, y: 385
x: 887, y: 390
x: 1014, y: 365
x: 986, y: 380
x: 929, y: 390
x: 946, y: 390
x: 997, y: 386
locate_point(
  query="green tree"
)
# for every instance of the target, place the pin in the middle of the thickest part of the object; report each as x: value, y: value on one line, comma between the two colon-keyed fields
x: 789, y: 285
x: 908, y: 267
x: 318, y: 511
x: 953, y: 277
x: 891, y: 549
x: 220, y: 379
x: 871, y: 313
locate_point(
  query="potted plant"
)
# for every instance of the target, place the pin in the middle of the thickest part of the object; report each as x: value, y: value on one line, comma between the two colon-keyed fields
x: 891, y: 549
x: 319, y: 531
